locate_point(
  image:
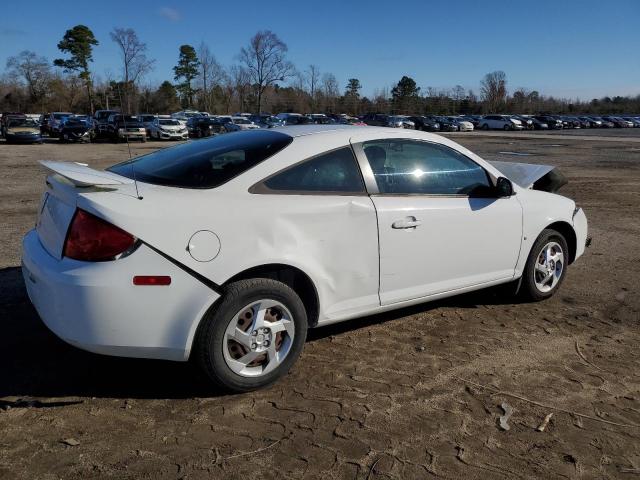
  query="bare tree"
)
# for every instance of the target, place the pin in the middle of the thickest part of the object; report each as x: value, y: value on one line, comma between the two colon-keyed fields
x: 265, y: 61
x: 134, y: 60
x: 493, y: 89
x: 35, y: 71
x: 211, y: 74
x: 240, y: 80
x: 313, y: 79
x: 457, y: 93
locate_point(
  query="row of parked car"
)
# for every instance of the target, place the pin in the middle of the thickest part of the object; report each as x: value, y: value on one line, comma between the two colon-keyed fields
x: 114, y: 126
x: 464, y: 123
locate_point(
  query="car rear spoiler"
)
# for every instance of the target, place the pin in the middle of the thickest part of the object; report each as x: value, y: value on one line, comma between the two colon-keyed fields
x: 82, y: 176
x: 537, y: 177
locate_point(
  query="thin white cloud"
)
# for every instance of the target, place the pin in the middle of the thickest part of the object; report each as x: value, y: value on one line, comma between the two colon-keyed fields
x: 170, y: 14
x: 11, y: 32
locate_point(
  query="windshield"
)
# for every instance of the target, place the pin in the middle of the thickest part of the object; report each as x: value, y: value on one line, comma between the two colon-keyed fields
x: 58, y: 116
x: 205, y: 163
x: 169, y: 122
x: 22, y: 122
x: 241, y: 121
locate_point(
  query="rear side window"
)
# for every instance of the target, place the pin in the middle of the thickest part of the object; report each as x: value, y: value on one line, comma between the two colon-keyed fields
x: 332, y: 172
x: 206, y: 163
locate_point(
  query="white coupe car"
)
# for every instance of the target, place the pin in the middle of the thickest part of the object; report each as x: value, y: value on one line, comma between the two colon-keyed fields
x: 228, y: 248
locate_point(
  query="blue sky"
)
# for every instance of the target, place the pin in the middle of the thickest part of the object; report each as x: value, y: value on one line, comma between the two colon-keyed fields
x: 585, y: 49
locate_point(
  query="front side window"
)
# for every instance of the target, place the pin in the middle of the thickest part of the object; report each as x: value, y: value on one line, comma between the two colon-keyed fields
x: 414, y: 167
x: 332, y: 172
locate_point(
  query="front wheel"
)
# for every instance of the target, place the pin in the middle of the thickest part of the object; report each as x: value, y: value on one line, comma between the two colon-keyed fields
x: 546, y: 266
x: 253, y: 336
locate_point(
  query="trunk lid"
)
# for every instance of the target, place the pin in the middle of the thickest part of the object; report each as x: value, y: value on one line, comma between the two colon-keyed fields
x: 59, y: 201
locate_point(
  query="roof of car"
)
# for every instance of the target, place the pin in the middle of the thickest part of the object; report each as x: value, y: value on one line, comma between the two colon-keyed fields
x: 346, y: 130
x: 312, y: 129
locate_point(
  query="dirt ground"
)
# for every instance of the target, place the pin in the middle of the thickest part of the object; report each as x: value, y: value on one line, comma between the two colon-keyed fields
x: 414, y: 393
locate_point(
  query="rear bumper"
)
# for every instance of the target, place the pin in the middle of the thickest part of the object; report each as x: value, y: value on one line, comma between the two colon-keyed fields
x: 96, y: 307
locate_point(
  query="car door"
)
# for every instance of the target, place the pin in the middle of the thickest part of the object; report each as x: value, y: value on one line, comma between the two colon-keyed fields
x: 440, y: 225
x: 326, y: 218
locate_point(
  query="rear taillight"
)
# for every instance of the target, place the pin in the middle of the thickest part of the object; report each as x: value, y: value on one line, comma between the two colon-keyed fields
x: 92, y: 239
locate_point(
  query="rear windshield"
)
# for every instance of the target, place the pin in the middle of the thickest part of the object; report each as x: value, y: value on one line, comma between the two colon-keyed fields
x: 205, y: 163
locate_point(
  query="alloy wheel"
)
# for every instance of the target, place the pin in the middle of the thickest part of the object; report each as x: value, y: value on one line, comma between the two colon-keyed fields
x: 258, y: 338
x: 549, y: 267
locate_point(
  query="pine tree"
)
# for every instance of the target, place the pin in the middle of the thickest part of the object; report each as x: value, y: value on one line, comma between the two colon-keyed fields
x: 187, y: 70
x: 78, y: 42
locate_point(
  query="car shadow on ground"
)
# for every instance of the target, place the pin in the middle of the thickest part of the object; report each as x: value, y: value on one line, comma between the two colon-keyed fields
x: 35, y: 363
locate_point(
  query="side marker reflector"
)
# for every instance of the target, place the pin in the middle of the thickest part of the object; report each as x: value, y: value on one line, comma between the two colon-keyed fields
x: 152, y: 280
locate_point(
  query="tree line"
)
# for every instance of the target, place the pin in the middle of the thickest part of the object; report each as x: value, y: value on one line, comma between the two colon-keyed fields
x: 261, y: 80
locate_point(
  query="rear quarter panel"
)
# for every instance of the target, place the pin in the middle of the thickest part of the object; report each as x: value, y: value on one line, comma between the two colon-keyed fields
x: 332, y: 238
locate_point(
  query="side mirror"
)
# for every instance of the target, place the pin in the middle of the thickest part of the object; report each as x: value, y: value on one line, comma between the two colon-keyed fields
x: 504, y: 187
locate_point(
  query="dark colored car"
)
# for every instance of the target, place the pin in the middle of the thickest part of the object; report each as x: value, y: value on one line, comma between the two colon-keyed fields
x: 44, y: 124
x: 123, y: 127
x: 100, y: 122
x: 376, y: 119
x: 591, y: 121
x: 425, y: 124
x: 634, y: 120
x: 538, y: 125
x: 75, y: 130
x: 617, y: 121
x: 446, y: 125
x: 581, y: 122
x: 22, y: 130
x: 320, y: 119
x: 575, y: 122
x: 603, y: 123
x: 293, y: 119
x: 474, y: 119
x: 552, y: 122
x: 200, y: 127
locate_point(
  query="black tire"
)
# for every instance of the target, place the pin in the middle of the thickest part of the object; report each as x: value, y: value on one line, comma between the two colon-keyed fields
x: 209, y: 343
x: 528, y: 289
x: 485, y: 126
x: 506, y: 127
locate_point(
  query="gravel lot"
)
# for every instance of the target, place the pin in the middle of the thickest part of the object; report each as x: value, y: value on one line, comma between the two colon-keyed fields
x: 409, y: 394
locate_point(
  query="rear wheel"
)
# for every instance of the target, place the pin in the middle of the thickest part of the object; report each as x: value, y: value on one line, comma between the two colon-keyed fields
x: 546, y: 266
x: 485, y: 126
x: 253, y: 336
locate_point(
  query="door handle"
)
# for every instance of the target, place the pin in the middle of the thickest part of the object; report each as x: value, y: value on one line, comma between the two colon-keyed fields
x: 407, y: 222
